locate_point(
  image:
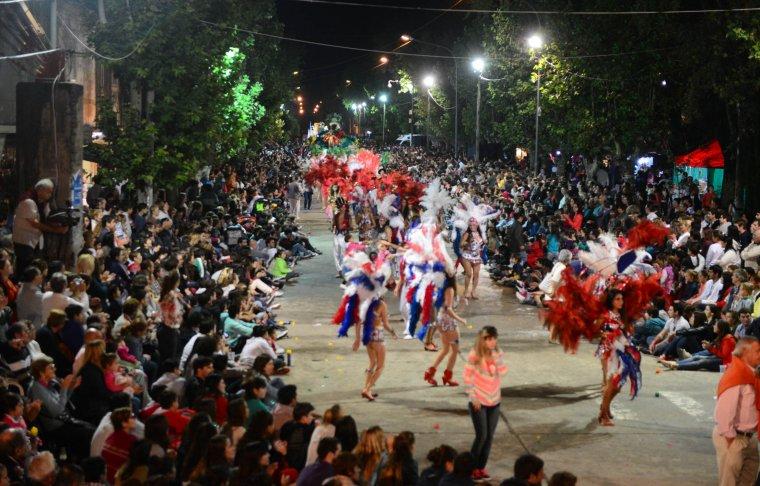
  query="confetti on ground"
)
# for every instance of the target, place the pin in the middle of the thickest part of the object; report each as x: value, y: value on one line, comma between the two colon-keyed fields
x: 658, y: 371
x: 330, y: 343
x: 437, y: 426
x: 317, y: 324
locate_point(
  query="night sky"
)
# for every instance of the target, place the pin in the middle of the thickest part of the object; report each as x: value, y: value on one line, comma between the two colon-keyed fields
x: 324, y: 70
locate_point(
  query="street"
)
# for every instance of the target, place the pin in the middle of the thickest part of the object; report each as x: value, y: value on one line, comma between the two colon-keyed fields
x: 550, y: 398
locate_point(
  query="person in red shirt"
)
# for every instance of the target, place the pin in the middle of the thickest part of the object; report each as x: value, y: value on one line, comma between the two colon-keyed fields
x: 116, y: 449
x: 177, y: 417
x: 716, y: 354
x: 216, y: 390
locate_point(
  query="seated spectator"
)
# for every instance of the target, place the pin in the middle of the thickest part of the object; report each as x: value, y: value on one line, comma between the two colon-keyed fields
x: 317, y: 473
x: 117, y: 446
x: 717, y: 353
x: 255, y: 346
x: 202, y: 366
x: 171, y: 378
x: 286, y: 401
x: 237, y: 419
x: 50, y: 342
x: 72, y: 333
x: 675, y: 323
x: 325, y: 427
x: 441, y: 463
x: 42, y: 469
x: 14, y: 449
x: 563, y: 478
x: 215, y: 389
x: 372, y: 454
x: 280, y: 269
x: 461, y: 474
x: 297, y: 434
x: 528, y: 471
x: 401, y: 467
x: 55, y: 298
x: 136, y: 469
x: 263, y: 366
x: 91, y: 397
x: 105, y: 427
x: 15, y: 355
x: 345, y: 467
x: 255, y: 393
x: 29, y: 299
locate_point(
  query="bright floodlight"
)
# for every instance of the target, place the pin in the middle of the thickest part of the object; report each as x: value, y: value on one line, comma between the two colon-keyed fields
x: 383, y: 98
x: 535, y: 41
x: 428, y: 81
x: 406, y: 38
x: 364, y: 104
x: 353, y: 105
x: 664, y: 82
x: 383, y: 60
x: 478, y: 64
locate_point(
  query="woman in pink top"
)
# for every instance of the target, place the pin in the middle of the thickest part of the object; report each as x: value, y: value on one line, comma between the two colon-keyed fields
x: 482, y: 377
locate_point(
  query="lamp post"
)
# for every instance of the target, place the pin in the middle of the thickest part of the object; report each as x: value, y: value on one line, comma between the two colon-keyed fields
x: 536, y: 42
x: 383, y: 99
x: 478, y: 65
x: 428, y: 82
x: 407, y: 39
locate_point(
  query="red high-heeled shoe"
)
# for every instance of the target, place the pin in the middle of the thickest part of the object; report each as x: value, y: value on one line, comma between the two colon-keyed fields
x: 447, y: 379
x: 430, y: 376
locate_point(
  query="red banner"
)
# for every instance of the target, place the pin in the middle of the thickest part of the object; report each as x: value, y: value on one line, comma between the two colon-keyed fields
x: 709, y: 155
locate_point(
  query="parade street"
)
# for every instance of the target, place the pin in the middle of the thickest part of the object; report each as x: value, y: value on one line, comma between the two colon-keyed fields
x: 550, y: 398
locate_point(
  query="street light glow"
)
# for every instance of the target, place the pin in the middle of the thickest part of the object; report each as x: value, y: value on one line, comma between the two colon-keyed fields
x: 383, y: 60
x: 535, y: 41
x: 406, y: 38
x: 364, y: 104
x: 383, y: 98
x: 353, y: 105
x: 478, y: 64
x: 428, y: 81
x: 664, y: 82
x: 295, y: 73
x: 299, y: 98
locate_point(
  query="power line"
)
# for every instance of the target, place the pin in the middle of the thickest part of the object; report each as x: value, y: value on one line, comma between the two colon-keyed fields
x: 531, y: 12
x: 29, y: 54
x: 335, y: 46
x: 103, y: 56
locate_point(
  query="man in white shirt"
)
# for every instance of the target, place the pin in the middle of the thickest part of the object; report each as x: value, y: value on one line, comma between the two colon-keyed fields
x: 751, y: 253
x: 715, y: 251
x: 736, y: 417
x: 675, y: 323
x: 205, y: 328
x: 715, y: 287
x: 255, y: 346
x: 55, y: 297
x: 27, y: 225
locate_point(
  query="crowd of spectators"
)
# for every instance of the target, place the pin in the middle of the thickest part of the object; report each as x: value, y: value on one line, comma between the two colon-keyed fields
x: 154, y: 359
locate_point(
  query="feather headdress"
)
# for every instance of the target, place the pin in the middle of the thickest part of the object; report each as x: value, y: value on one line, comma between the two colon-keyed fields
x: 436, y: 199
x: 467, y: 209
x: 388, y: 209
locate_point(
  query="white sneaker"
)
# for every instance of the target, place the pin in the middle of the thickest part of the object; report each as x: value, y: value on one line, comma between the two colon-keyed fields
x: 408, y: 336
x: 279, y: 293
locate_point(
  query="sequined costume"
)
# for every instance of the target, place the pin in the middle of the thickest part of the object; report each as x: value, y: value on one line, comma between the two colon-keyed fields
x: 621, y: 356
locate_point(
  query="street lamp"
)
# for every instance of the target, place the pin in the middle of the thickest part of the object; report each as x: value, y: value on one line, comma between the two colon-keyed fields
x: 383, y: 60
x: 407, y: 39
x: 383, y: 99
x: 428, y: 82
x: 536, y: 42
x: 478, y: 65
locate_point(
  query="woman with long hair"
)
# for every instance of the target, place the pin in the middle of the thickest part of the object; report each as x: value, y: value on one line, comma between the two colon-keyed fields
x: 197, y: 448
x: 372, y: 453
x: 91, y: 397
x: 375, y: 346
x: 482, y: 376
x: 715, y: 354
x: 446, y: 321
x: 620, y: 359
x: 401, y: 468
x: 472, y: 250
x: 217, y: 460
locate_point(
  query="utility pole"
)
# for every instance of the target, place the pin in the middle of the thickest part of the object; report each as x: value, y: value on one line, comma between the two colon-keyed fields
x: 477, y: 124
x: 538, y: 114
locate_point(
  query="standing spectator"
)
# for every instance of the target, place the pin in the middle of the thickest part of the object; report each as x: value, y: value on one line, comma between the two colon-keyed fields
x: 171, y: 310
x: 28, y: 225
x: 482, y: 376
x: 736, y: 417
x: 294, y: 192
x: 307, y: 196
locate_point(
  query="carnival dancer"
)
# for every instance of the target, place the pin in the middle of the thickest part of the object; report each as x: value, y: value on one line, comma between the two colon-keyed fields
x: 482, y: 377
x: 583, y: 308
x: 472, y: 249
x: 621, y: 361
x: 364, y: 308
x: 446, y: 322
x: 470, y: 226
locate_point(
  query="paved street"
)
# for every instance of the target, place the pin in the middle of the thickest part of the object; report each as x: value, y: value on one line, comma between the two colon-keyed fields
x: 550, y: 398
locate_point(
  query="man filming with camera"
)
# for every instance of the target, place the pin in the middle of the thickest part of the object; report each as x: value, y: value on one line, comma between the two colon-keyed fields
x: 28, y: 224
